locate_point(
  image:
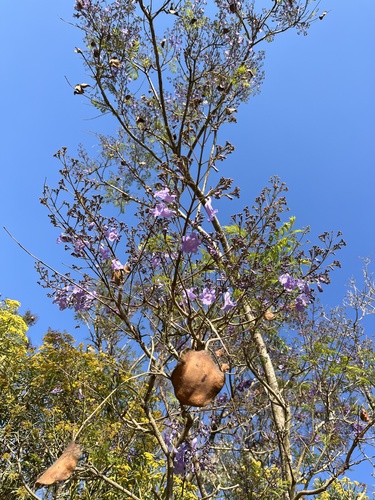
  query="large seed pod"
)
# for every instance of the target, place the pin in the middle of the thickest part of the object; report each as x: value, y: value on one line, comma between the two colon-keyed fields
x: 63, y: 467
x: 196, y: 379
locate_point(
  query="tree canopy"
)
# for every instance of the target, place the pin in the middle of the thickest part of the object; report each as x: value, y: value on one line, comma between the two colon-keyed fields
x: 211, y: 370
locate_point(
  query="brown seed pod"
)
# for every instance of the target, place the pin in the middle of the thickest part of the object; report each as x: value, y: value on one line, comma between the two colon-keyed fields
x: 80, y: 88
x: 196, y: 379
x: 115, y: 62
x: 363, y: 415
x: 63, y: 467
x: 118, y: 275
x: 269, y: 315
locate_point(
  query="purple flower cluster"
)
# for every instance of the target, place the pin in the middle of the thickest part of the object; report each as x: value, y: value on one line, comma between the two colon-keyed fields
x: 228, y: 303
x: 116, y: 265
x: 64, y: 238
x: 165, y: 195
x: 78, y: 244
x: 222, y: 399
x: 82, y: 5
x: 104, y: 252
x: 290, y: 284
x: 187, y: 451
x: 82, y: 242
x: 243, y: 385
x: 76, y: 296
x: 208, y: 297
x: 161, y: 210
x: 195, y: 451
x: 189, y: 294
x: 190, y: 243
x: 180, y: 459
x: 170, y: 435
x: 158, y: 258
x: 112, y: 234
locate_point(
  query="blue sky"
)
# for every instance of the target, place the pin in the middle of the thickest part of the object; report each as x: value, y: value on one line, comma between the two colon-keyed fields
x: 312, y: 125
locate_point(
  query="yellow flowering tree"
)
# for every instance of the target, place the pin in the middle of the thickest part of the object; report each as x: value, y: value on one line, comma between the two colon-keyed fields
x: 62, y: 392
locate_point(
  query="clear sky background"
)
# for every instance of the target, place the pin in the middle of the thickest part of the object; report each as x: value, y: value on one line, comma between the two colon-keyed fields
x: 312, y: 125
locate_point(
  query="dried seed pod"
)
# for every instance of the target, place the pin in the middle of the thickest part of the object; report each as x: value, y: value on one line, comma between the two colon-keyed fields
x: 115, y: 62
x: 363, y: 415
x: 118, y: 275
x: 80, y: 88
x: 63, y: 467
x: 269, y: 315
x: 196, y: 379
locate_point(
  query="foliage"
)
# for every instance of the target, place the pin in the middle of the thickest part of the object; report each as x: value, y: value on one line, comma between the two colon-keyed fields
x: 51, y: 393
x: 156, y: 269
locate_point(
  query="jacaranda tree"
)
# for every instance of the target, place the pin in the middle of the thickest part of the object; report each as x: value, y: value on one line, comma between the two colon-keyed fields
x: 242, y: 386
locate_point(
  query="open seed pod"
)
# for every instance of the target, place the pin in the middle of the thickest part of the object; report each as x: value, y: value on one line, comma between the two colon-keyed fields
x: 196, y: 379
x: 63, y: 467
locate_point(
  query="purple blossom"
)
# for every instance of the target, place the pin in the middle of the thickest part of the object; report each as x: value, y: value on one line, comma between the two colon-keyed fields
x: 189, y: 294
x: 57, y: 390
x: 62, y: 298
x: 79, y: 245
x: 64, y: 238
x: 155, y: 260
x: 302, y: 301
x: 357, y: 428
x: 312, y: 392
x: 179, y: 462
x: 244, y: 384
x: 174, y: 429
x: 165, y: 195
x: 207, y: 296
x: 222, y: 398
x: 76, y: 297
x: 81, y: 299
x: 82, y: 5
x: 287, y: 281
x: 91, y: 226
x: 228, y: 303
x: 303, y: 286
x: 162, y: 211
x: 104, y: 252
x: 112, y: 234
x: 290, y: 284
x: 210, y: 211
x: 190, y: 243
x: 116, y: 265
